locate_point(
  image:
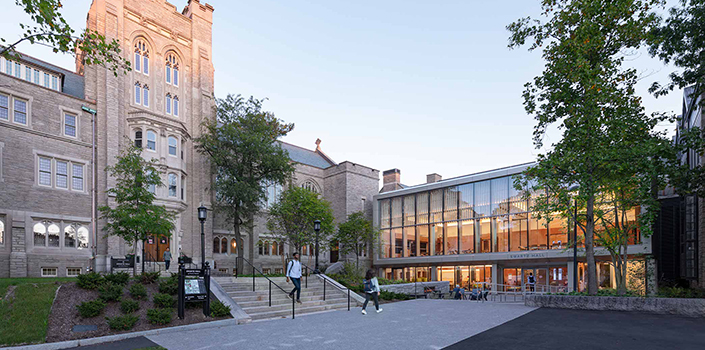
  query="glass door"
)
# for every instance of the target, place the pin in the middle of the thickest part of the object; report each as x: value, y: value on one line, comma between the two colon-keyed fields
x: 540, y: 278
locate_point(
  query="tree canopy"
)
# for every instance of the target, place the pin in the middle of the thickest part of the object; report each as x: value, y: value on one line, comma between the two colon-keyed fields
x: 356, y: 234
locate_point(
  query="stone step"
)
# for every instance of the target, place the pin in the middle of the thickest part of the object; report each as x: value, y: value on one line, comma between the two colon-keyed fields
x: 287, y: 306
x: 283, y: 301
x: 280, y: 298
x: 299, y: 310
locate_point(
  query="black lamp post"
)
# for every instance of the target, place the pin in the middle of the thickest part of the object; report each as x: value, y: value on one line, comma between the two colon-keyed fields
x: 575, y: 238
x: 202, y: 215
x: 316, y: 227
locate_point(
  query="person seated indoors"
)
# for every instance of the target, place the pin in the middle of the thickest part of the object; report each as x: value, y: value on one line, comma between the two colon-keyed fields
x: 457, y: 292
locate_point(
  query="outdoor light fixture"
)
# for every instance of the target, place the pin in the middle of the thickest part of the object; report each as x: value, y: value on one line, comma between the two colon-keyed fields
x: 316, y: 227
x: 202, y: 213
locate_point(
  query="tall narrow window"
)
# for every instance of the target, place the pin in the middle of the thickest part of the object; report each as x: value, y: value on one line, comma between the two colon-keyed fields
x: 141, y: 57
x: 168, y: 73
x: 151, y: 140
x: 70, y: 125
x: 36, y: 77
x: 176, y: 76
x: 145, y: 65
x: 172, y: 67
x: 28, y: 74
x: 20, y: 111
x: 138, y: 62
x: 40, y: 234
x: 172, y: 185
x: 145, y: 99
x: 82, y: 236
x: 4, y: 107
x: 70, y: 236
x: 44, y: 171
x: 138, y: 94
x: 168, y: 104
x: 8, y: 67
x: 46, y: 80
x: 138, y: 138
x: 62, y: 174
x: 176, y: 106
x: 2, y: 232
x: 55, y: 83
x: 77, y: 177
x: 152, y: 188
x: 18, y: 69
x: 172, y: 146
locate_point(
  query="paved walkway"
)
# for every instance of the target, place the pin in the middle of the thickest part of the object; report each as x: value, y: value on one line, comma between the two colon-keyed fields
x: 550, y: 329
x: 414, y: 324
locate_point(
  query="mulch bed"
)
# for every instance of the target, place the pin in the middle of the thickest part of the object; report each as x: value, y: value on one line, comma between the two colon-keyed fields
x: 64, y: 314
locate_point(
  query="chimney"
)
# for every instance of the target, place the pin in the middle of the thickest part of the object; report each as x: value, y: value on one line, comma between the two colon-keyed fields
x: 391, y: 180
x: 431, y: 178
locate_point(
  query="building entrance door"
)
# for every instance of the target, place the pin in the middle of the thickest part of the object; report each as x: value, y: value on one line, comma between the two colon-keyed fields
x: 154, y: 248
x: 540, y: 276
x: 334, y: 252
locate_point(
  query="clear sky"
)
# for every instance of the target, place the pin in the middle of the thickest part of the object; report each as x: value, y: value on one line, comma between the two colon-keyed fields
x: 422, y: 86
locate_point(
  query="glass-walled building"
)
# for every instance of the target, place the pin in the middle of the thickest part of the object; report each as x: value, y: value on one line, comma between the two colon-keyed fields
x: 478, y: 228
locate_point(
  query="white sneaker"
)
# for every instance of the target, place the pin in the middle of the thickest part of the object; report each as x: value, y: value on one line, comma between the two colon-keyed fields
x: 380, y: 310
x: 364, y: 312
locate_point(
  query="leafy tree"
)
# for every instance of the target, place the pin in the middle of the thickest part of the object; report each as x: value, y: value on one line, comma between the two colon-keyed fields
x: 50, y: 29
x: 291, y: 218
x: 241, y: 143
x: 135, y: 216
x: 355, y: 235
x: 587, y: 92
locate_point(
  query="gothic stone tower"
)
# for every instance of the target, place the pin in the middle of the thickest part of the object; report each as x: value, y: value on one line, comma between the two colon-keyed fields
x: 159, y: 105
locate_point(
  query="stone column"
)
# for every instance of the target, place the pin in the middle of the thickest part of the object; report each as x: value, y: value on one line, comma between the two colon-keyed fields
x: 570, y: 275
x: 18, y: 255
x: 495, y: 276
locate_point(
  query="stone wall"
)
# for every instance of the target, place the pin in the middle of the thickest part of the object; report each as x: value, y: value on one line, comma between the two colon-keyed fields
x: 408, y: 288
x: 673, y: 306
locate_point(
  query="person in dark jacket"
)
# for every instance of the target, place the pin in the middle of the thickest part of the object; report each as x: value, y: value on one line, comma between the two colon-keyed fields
x: 167, y: 258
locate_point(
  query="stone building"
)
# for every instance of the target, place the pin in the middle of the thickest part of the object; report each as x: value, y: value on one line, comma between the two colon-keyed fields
x: 46, y: 139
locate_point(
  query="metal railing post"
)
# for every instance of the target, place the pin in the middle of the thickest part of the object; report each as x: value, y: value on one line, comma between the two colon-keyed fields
x: 324, y: 289
x: 253, y: 278
x: 307, y: 277
x: 293, y: 308
x: 270, y: 293
x: 348, y: 299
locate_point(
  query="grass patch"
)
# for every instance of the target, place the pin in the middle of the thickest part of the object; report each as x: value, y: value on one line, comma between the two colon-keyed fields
x: 23, y: 318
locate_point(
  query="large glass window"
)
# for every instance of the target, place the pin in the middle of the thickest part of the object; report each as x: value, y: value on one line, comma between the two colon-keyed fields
x: 172, y: 145
x: 40, y: 234
x: 557, y: 233
x: 424, y: 248
x: 437, y: 205
x: 437, y: 237
x: 500, y: 195
x: 466, y: 201
x: 410, y: 233
x: 446, y: 273
x: 422, y: 207
x: 485, y: 235
x: 482, y: 198
x: 172, y: 185
x: 151, y: 140
x: 62, y: 174
x: 398, y: 242
x: 396, y: 211
x: 384, y: 213
x: 501, y: 230
x: 451, y: 239
x: 4, y: 107
x: 519, y: 232
x: 516, y: 202
x: 53, y: 235
x: 386, y: 244
x: 70, y: 236
x: 538, y: 237
x: 467, y: 240
x: 409, y: 210
x: 450, y: 200
x: 558, y: 278
x: 512, y: 279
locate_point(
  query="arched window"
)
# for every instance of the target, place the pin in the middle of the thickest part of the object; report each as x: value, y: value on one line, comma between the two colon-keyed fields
x: 40, y: 234
x: 2, y: 232
x: 310, y: 185
x: 151, y: 140
x: 172, y: 69
x: 260, y: 247
x: 145, y: 93
x: 172, y: 185
x: 168, y: 104
x: 216, y: 245
x: 172, y: 145
x: 138, y: 138
x: 233, y: 246
x: 176, y: 106
x: 224, y: 245
x: 281, y: 248
x: 138, y: 93
x: 275, y: 248
x: 141, y: 62
x: 304, y: 250
x: 266, y: 247
x: 53, y: 237
x: 70, y: 236
x: 82, y: 234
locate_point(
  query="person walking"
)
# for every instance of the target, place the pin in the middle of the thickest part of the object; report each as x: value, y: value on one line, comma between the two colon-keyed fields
x: 293, y: 273
x: 531, y: 281
x: 167, y: 258
x: 371, y: 286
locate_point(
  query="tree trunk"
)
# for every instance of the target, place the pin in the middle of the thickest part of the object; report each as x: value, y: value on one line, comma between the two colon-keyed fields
x: 240, y: 248
x: 134, y: 265
x: 143, y: 255
x: 589, y: 246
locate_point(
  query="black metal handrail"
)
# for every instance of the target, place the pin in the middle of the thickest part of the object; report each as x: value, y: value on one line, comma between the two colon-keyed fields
x: 324, y: 281
x: 293, y: 302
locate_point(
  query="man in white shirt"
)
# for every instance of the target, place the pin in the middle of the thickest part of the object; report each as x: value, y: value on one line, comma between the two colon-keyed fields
x: 293, y: 272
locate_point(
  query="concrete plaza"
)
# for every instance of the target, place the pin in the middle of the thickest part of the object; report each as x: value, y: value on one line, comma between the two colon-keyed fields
x: 414, y: 324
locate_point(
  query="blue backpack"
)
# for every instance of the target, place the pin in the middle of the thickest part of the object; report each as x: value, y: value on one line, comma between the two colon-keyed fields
x: 368, y: 286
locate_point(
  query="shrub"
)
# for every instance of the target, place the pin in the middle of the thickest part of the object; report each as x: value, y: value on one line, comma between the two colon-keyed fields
x: 90, y: 308
x: 128, y: 306
x: 120, y: 278
x: 148, y: 277
x: 163, y: 300
x: 385, y: 295
x: 159, y: 316
x: 110, y: 292
x: 91, y: 280
x: 218, y: 309
x: 138, y: 291
x: 122, y: 323
x: 169, y: 286
x: 678, y: 292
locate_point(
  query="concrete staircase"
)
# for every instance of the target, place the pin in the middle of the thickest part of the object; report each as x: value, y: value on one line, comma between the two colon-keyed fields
x: 256, y: 303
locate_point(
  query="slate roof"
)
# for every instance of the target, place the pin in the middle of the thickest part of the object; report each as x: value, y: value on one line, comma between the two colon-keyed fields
x: 306, y: 156
x: 72, y: 83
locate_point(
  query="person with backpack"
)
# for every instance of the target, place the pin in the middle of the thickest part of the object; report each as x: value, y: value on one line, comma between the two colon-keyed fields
x: 371, y: 286
x: 531, y: 281
x: 293, y: 272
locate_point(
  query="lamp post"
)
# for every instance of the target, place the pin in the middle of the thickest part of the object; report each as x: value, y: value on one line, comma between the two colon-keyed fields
x: 202, y: 214
x: 94, y: 244
x: 575, y: 238
x: 317, y: 228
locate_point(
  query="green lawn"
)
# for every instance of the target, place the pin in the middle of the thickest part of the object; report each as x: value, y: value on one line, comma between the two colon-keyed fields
x: 23, y: 318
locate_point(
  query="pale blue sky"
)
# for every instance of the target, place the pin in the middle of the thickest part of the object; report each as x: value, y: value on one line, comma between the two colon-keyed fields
x: 417, y: 85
